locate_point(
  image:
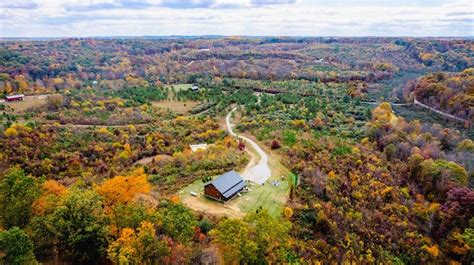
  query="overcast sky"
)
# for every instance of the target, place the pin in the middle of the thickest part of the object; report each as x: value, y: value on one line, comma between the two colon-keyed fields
x: 59, y: 18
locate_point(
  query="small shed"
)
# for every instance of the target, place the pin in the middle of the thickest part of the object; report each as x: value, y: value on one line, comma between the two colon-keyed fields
x: 194, y: 88
x: 225, y: 187
x: 195, y: 147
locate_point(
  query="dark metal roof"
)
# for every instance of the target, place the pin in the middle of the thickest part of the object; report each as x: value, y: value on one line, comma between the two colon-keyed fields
x: 228, y: 183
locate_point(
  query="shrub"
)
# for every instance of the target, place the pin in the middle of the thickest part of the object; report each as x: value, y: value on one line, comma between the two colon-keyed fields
x: 275, y: 145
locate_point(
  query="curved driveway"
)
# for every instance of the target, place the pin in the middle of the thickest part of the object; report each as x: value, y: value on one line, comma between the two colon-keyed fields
x: 261, y: 171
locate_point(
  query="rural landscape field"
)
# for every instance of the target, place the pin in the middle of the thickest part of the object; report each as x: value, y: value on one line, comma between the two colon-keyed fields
x: 233, y: 149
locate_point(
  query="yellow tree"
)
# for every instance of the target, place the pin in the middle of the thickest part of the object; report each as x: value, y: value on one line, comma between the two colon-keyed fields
x: 51, y: 192
x: 22, y: 83
x: 383, y: 113
x: 142, y: 247
x: 122, y: 190
x: 122, y: 251
x: 11, y: 132
x: 8, y: 88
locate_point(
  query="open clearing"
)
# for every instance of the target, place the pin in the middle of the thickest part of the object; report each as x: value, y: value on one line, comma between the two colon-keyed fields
x: 179, y: 87
x: 182, y: 107
x: 268, y: 196
x: 30, y: 102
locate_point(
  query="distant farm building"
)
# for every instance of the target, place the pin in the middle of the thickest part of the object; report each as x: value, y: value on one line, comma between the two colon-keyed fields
x: 194, y: 88
x: 195, y: 147
x: 15, y: 97
x: 225, y: 187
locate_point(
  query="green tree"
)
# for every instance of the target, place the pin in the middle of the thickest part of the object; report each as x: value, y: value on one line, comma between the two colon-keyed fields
x: 43, y: 236
x: 468, y: 237
x: 270, y: 234
x: 434, y: 172
x: 232, y: 236
x: 17, y: 247
x: 178, y: 222
x: 258, y: 238
x: 289, y: 138
x: 17, y: 193
x: 80, y: 225
x: 414, y: 164
x: 205, y: 226
x: 149, y: 247
x: 132, y: 214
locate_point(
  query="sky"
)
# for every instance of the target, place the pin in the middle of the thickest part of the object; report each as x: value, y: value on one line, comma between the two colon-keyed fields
x: 89, y: 18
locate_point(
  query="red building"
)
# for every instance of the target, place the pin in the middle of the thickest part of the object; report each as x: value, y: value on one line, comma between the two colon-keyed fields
x: 224, y: 187
x: 14, y: 97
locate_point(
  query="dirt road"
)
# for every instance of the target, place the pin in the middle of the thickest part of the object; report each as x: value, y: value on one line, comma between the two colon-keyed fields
x: 447, y: 115
x: 260, y: 172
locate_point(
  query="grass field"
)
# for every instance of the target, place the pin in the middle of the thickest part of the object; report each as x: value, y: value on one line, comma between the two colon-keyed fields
x: 21, y: 106
x: 266, y: 196
x: 182, y: 107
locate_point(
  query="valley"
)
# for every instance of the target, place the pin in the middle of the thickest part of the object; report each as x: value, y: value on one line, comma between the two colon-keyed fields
x: 341, y: 150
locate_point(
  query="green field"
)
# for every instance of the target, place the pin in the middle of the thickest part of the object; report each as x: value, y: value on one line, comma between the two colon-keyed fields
x: 266, y: 196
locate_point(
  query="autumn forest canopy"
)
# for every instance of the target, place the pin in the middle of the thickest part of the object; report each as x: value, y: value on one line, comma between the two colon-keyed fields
x: 106, y: 145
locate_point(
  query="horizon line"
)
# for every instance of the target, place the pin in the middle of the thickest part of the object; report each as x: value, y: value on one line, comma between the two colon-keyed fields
x: 229, y: 36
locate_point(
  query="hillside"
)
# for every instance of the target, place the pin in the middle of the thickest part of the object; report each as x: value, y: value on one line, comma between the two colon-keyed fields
x: 236, y: 150
x: 451, y: 93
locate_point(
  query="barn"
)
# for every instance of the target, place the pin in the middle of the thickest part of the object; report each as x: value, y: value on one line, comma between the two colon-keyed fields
x: 14, y: 97
x: 225, y: 187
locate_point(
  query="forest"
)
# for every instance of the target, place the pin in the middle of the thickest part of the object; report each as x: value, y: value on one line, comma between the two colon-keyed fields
x: 97, y: 160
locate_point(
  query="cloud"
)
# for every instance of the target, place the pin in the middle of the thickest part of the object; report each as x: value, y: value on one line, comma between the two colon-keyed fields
x: 141, y: 4
x: 271, y: 2
x: 236, y: 17
x: 107, y: 4
x: 89, y: 7
x: 135, y: 4
x: 455, y: 14
x: 19, y: 5
x: 459, y: 20
x: 184, y: 4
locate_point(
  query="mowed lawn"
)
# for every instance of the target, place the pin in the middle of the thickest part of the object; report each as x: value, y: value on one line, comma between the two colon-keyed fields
x: 270, y: 197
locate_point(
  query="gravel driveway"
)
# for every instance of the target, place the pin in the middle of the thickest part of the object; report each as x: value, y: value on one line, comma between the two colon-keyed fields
x: 261, y: 171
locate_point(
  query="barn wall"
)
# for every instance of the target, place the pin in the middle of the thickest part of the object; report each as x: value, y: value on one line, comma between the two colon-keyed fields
x: 211, y: 191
